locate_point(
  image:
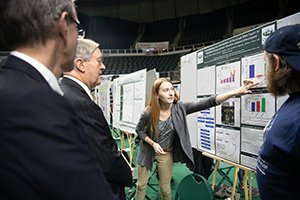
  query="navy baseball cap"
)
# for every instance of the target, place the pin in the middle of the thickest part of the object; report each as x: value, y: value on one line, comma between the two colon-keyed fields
x: 285, y: 42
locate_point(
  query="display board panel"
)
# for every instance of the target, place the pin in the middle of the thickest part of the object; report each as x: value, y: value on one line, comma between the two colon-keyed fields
x: 206, y: 129
x: 257, y: 109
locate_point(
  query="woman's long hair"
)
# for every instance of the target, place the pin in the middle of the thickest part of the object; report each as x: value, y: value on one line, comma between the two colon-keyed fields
x: 154, y: 105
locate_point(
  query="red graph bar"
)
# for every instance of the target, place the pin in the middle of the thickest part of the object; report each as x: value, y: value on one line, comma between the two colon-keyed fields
x: 257, y: 106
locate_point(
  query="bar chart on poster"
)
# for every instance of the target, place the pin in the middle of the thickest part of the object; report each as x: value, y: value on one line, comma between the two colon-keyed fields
x: 254, y: 68
x: 257, y: 109
x: 228, y: 113
x: 228, y: 77
x: 206, y: 130
x: 228, y: 144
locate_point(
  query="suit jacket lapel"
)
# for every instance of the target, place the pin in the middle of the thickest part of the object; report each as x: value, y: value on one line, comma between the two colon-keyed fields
x: 79, y: 89
x: 14, y: 63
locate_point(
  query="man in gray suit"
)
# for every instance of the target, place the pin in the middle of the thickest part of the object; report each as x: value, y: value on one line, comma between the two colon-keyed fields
x: 76, y: 86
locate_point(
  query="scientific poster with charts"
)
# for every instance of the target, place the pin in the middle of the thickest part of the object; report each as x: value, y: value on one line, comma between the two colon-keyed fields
x: 228, y: 113
x: 206, y: 80
x: 252, y: 139
x: 228, y: 144
x: 257, y: 109
x: 129, y: 100
x: 254, y: 68
x: 206, y: 130
x: 228, y: 77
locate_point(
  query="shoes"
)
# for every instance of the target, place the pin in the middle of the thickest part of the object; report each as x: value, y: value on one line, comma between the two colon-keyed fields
x: 221, y: 192
x: 254, y: 191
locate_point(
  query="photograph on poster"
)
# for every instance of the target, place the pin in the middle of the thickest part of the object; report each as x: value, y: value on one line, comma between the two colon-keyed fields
x: 228, y: 113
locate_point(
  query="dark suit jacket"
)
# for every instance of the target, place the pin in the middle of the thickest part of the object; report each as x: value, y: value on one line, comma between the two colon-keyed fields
x: 115, y: 168
x: 43, y: 151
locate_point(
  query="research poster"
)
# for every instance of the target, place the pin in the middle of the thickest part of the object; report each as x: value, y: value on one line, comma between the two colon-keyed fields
x: 239, y: 121
x: 129, y: 100
x: 222, y: 67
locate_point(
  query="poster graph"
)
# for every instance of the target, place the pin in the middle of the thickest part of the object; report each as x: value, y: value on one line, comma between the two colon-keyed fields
x: 257, y: 109
x: 228, y: 77
x: 206, y: 130
x: 254, y: 68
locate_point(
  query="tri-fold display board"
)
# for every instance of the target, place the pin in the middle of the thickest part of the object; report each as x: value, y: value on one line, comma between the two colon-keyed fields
x: 234, y: 129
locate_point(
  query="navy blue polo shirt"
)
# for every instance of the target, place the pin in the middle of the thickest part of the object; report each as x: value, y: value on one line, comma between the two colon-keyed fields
x: 279, y: 157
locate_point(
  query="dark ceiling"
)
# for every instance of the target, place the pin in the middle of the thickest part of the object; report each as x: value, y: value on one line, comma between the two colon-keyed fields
x: 151, y: 10
x: 104, y: 2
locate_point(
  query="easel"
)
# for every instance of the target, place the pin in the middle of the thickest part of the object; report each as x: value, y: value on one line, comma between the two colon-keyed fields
x: 248, y: 172
x: 131, y: 143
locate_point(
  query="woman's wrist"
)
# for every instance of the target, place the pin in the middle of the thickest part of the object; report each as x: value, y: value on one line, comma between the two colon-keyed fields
x: 152, y: 143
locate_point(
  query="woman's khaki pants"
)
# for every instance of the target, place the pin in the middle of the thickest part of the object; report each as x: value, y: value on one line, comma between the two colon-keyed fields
x: 164, y: 166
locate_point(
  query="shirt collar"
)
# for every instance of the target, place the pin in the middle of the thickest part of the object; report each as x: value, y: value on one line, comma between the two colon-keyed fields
x: 42, y: 69
x: 84, y: 86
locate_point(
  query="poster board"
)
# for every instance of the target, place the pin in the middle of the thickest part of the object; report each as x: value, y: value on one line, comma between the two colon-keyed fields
x: 102, y: 98
x: 235, y: 128
x: 129, y: 99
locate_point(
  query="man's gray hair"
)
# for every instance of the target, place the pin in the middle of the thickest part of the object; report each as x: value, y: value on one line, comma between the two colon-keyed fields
x: 85, y: 48
x: 27, y: 22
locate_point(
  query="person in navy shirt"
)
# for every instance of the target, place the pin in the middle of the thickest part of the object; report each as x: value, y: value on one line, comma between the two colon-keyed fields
x: 278, y: 162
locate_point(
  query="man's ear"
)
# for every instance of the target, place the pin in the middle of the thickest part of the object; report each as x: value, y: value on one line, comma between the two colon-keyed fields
x: 79, y: 65
x: 277, y: 62
x: 63, y: 27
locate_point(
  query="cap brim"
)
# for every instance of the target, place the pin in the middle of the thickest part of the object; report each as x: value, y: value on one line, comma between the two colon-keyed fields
x: 293, y: 61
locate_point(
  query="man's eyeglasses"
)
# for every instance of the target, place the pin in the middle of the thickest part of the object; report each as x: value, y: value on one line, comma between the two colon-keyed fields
x: 80, y: 29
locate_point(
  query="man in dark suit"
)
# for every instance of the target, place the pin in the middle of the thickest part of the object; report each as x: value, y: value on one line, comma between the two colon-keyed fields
x: 43, y: 151
x: 76, y: 86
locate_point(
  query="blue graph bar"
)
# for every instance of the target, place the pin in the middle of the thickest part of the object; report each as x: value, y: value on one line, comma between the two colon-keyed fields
x: 251, y: 71
x: 253, y: 106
